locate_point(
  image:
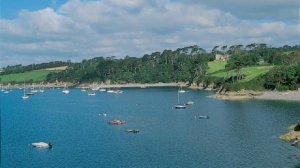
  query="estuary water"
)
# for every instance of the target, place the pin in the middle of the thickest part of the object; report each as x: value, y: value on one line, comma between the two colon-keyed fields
x: 237, y: 134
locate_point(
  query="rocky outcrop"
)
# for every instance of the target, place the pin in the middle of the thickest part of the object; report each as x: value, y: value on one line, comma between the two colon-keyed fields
x: 243, y: 94
x: 293, y: 135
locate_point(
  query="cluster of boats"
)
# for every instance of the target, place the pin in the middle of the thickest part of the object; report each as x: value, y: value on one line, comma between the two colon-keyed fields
x: 92, y: 91
x: 31, y: 92
x: 5, y: 90
x: 118, y: 122
x: 179, y: 105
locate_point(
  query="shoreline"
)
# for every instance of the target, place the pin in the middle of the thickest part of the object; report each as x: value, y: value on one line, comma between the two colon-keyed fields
x: 97, y: 85
x: 265, y: 95
x: 132, y: 85
x: 275, y: 95
x: 240, y: 95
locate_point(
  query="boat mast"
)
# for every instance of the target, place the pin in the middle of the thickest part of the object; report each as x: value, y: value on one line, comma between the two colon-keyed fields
x: 24, y: 89
x: 178, y: 97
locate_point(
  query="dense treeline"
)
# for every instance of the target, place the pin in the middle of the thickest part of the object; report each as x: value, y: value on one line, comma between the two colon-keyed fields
x: 20, y: 69
x: 187, y: 64
x: 283, y: 78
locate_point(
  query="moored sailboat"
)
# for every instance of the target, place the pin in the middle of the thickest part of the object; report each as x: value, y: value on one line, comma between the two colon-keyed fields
x: 179, y: 106
x: 25, y: 96
x: 66, y: 90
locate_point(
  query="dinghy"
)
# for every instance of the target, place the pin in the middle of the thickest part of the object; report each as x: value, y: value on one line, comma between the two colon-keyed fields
x: 41, y: 145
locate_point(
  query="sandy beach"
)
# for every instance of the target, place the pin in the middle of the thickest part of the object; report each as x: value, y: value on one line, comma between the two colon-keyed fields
x: 274, y: 95
x: 267, y: 95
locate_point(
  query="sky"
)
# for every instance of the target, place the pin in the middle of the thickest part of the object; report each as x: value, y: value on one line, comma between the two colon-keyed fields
x: 36, y: 31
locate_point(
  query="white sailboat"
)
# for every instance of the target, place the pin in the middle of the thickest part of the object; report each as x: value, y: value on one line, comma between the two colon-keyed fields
x: 33, y: 90
x: 25, y: 96
x: 91, y: 93
x: 102, y: 90
x: 66, y: 90
x: 41, y: 89
x: 181, y: 90
x: 179, y: 106
x: 110, y: 90
x: 6, y: 90
x: 83, y: 89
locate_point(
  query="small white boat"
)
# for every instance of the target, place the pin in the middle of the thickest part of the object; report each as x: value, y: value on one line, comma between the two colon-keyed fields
x: 6, y: 91
x: 110, y: 91
x: 181, y: 90
x: 189, y: 103
x: 180, y: 107
x: 92, y: 94
x: 41, y: 145
x: 41, y: 90
x: 102, y: 90
x: 66, y: 90
x: 83, y: 90
x: 203, y: 117
x: 118, y: 92
x: 33, y: 90
x: 135, y: 131
x: 29, y: 94
x: 103, y: 114
x: 25, y: 97
x: 94, y: 88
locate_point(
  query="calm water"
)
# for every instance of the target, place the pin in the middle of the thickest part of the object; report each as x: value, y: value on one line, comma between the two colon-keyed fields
x: 238, y: 133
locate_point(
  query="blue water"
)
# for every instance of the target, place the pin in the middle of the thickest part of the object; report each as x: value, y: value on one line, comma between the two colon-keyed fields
x: 238, y: 133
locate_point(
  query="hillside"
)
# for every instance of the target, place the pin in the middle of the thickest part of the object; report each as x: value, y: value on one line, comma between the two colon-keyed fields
x: 217, y: 69
x: 29, y: 76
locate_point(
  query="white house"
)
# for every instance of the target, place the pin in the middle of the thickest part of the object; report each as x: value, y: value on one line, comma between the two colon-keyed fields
x: 221, y: 57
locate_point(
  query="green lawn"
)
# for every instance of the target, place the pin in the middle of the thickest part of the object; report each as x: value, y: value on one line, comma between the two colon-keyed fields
x: 36, y: 76
x: 217, y: 69
x: 215, y: 66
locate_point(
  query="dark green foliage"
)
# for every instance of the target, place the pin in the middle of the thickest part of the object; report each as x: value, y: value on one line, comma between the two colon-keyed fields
x: 255, y: 84
x: 297, y: 127
x: 187, y: 64
x: 283, y: 78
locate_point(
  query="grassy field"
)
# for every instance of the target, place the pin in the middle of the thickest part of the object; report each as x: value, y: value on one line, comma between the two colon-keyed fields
x: 217, y: 69
x: 216, y: 66
x: 35, y: 76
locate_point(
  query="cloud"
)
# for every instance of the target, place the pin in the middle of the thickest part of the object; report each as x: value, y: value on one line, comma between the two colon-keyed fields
x: 86, y: 29
x: 280, y: 10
